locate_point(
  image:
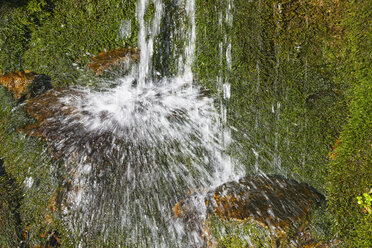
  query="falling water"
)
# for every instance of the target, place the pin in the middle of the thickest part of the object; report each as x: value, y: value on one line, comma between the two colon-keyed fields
x: 163, y: 139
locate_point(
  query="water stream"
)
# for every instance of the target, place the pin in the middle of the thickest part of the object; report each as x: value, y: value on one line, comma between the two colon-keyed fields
x: 166, y: 140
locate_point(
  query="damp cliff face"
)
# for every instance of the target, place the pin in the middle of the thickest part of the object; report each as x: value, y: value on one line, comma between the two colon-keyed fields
x: 283, y: 101
x: 277, y: 75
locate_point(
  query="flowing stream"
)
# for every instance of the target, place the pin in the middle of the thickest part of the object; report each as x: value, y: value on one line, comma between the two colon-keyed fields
x: 167, y: 140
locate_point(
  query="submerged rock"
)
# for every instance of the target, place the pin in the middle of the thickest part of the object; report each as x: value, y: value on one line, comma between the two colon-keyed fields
x: 26, y: 84
x: 106, y: 61
x: 273, y: 202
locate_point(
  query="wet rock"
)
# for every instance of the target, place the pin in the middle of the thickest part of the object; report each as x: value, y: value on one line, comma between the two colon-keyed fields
x: 58, y: 123
x: 43, y: 108
x: 26, y: 84
x: 274, y: 202
x: 106, y: 61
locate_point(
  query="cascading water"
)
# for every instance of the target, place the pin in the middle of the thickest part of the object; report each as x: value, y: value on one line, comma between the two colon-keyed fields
x: 162, y: 140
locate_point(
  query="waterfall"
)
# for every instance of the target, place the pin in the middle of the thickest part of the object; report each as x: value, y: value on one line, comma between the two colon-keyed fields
x: 162, y: 139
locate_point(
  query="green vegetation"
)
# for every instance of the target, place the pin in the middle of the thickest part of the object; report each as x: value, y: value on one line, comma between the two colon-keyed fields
x: 58, y: 38
x: 10, y: 197
x: 350, y: 174
x: 283, y: 97
x: 29, y: 169
x: 350, y: 169
x: 234, y: 234
x: 293, y: 77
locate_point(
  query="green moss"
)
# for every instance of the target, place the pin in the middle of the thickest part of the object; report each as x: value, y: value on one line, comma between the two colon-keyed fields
x: 13, y: 41
x: 350, y: 169
x: 60, y: 38
x: 284, y: 102
x: 27, y: 161
x: 321, y: 224
x: 10, y: 198
x: 296, y: 75
x: 236, y: 234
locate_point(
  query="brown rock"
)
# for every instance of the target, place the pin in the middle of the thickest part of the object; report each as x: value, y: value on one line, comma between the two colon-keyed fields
x: 274, y: 202
x: 106, y: 61
x: 18, y: 83
x: 26, y: 84
x: 43, y: 109
x: 61, y: 127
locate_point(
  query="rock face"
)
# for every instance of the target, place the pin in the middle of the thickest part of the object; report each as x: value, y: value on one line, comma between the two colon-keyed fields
x: 24, y: 85
x: 106, y: 61
x: 273, y: 202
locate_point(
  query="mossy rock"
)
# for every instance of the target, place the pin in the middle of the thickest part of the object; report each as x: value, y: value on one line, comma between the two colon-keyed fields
x: 273, y: 210
x: 25, y: 85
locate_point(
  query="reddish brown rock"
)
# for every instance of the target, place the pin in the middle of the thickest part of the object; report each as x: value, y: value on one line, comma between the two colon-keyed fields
x: 106, y: 61
x: 44, y: 109
x: 26, y: 84
x: 51, y: 113
x: 18, y: 83
x: 274, y: 202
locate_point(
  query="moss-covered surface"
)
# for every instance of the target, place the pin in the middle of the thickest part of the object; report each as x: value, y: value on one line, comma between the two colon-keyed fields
x: 283, y: 98
x: 33, y: 173
x: 10, y: 198
x: 58, y: 38
x: 300, y: 80
x: 293, y: 75
x: 236, y: 234
x: 350, y: 168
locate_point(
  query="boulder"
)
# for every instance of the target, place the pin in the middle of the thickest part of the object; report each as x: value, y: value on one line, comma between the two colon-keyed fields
x: 106, y: 61
x: 26, y: 84
x: 275, y: 203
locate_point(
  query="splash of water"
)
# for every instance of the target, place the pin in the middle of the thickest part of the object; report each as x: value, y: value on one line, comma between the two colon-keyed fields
x: 163, y: 139
x: 167, y: 143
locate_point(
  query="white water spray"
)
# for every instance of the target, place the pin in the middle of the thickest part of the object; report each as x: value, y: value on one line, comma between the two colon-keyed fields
x: 163, y: 139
